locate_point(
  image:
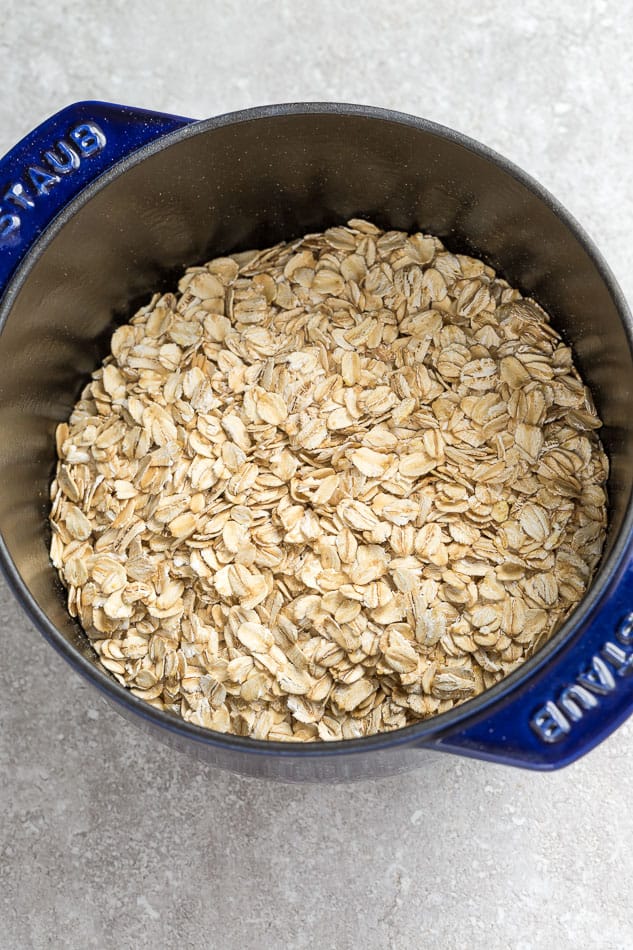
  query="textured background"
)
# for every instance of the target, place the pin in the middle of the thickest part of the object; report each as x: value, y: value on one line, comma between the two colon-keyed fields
x: 107, y: 840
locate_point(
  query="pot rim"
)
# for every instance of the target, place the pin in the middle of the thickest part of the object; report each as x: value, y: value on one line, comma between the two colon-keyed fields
x: 425, y: 731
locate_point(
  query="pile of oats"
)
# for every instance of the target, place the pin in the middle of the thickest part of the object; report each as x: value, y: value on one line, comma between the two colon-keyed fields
x: 329, y: 489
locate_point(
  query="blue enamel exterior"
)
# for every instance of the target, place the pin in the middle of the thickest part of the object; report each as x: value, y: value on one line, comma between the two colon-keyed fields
x: 125, y: 130
x: 517, y: 727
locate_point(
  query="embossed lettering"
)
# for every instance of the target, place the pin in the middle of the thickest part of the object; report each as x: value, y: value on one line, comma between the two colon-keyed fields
x: 67, y: 163
x: 62, y: 158
x: 9, y: 229
x: 619, y: 658
x: 89, y: 138
x: 549, y: 723
x: 598, y: 678
x: 42, y: 180
x: 624, y: 633
x: 554, y: 720
x: 18, y: 196
x: 576, y: 698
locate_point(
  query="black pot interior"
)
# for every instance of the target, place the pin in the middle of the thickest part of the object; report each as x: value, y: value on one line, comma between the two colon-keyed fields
x: 251, y: 183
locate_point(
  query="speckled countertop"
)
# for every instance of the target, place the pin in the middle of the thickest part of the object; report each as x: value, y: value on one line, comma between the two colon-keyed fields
x: 109, y: 840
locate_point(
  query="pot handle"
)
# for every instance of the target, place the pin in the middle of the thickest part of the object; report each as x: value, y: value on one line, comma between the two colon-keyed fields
x: 58, y: 159
x: 579, y: 695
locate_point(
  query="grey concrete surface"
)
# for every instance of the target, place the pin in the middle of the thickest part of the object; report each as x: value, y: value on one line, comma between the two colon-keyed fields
x: 109, y: 840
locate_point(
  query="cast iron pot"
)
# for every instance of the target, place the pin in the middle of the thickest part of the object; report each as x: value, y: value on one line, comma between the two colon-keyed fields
x: 101, y: 205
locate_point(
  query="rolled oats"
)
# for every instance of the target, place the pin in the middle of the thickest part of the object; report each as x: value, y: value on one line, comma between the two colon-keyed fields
x: 329, y: 488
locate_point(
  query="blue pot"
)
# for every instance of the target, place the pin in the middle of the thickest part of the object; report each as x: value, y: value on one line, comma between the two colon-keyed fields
x: 103, y: 204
